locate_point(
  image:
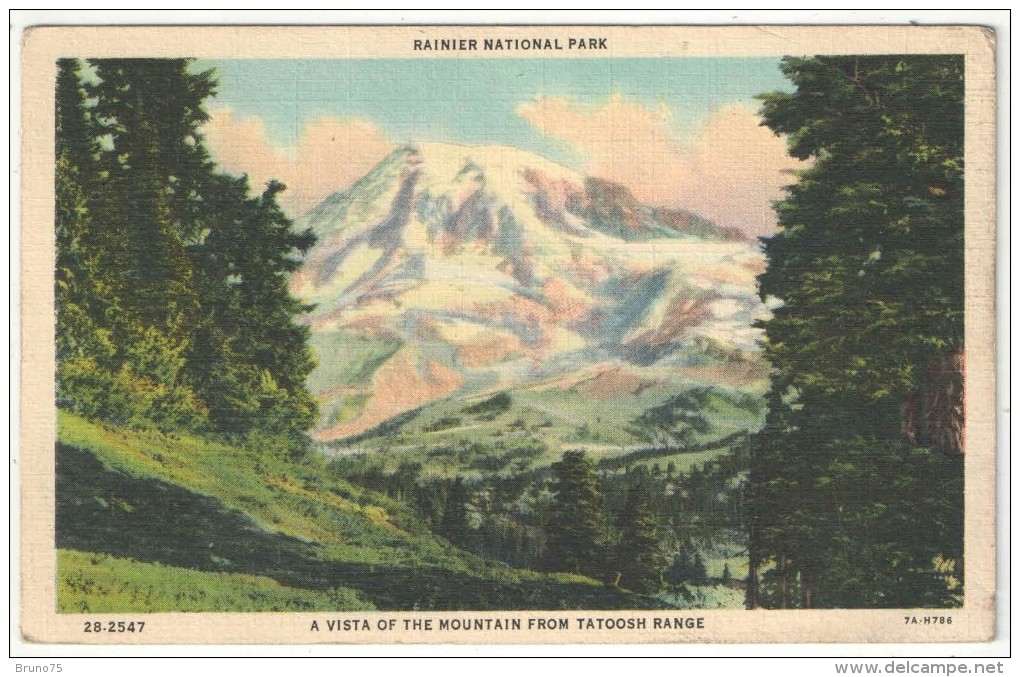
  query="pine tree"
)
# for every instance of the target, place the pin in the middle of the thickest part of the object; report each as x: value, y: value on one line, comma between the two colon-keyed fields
x: 151, y: 168
x: 173, y: 307
x: 75, y: 135
x: 152, y: 109
x: 252, y: 357
x: 455, y: 524
x: 86, y: 263
x: 576, y: 534
x: 640, y: 560
x: 856, y: 479
x: 699, y: 572
x: 688, y: 567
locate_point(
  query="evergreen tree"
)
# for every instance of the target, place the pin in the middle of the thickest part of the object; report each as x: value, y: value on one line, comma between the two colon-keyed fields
x: 687, y: 567
x: 151, y: 110
x: 75, y: 135
x: 252, y: 356
x: 639, y: 557
x: 856, y: 478
x: 172, y: 299
x: 455, y: 525
x: 576, y: 535
x: 699, y: 572
x: 87, y: 263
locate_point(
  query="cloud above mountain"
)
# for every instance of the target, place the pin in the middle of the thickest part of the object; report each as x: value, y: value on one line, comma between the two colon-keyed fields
x: 730, y: 169
x: 329, y: 155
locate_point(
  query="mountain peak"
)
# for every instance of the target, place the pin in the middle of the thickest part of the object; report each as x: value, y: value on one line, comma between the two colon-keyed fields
x: 464, y: 268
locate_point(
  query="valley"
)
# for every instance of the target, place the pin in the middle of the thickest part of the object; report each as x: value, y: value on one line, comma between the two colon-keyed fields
x: 479, y: 312
x: 480, y: 319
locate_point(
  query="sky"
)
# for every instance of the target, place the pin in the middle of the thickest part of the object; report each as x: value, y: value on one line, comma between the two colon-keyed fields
x: 679, y: 132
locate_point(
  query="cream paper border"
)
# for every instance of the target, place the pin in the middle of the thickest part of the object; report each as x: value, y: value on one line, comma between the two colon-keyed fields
x: 43, y: 45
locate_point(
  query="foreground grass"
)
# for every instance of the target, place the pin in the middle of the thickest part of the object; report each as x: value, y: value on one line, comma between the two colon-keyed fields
x: 100, y: 583
x: 302, y: 501
x: 188, y: 504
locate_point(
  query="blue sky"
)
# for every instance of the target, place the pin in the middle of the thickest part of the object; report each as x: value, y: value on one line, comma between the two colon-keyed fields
x: 474, y: 101
x: 677, y: 132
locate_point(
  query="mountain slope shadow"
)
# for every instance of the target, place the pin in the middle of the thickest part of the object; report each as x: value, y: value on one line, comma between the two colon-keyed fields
x: 104, y: 510
x: 100, y: 509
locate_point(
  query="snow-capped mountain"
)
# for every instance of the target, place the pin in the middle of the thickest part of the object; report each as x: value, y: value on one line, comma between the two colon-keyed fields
x: 455, y: 270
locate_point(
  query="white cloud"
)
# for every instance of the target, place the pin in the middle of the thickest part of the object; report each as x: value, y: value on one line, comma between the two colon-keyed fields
x: 330, y: 154
x: 730, y: 171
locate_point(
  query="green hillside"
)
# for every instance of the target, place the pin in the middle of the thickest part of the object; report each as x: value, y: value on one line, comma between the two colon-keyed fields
x: 100, y: 583
x: 516, y: 431
x: 150, y: 522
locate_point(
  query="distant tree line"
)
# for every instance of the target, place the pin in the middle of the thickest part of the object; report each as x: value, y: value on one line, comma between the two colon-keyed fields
x: 171, y: 285
x: 638, y: 528
x: 856, y: 481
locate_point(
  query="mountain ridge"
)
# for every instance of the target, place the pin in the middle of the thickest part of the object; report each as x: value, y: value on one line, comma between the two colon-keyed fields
x: 487, y: 267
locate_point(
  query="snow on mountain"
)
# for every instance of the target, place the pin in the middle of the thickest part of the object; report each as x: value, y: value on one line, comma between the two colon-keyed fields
x: 459, y: 269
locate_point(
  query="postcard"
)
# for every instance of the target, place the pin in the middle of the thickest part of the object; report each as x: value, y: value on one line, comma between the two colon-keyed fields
x: 507, y: 334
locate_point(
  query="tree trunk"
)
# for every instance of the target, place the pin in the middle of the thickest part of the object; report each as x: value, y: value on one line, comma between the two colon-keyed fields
x: 784, y: 582
x: 934, y: 417
x: 911, y: 425
x: 751, y: 594
x: 943, y: 422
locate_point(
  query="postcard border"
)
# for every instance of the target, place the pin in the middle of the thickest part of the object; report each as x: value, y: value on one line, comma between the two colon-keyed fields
x: 42, y: 45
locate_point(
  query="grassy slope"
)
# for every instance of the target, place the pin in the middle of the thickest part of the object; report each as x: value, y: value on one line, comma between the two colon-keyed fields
x: 443, y: 434
x: 101, y: 583
x: 279, y: 531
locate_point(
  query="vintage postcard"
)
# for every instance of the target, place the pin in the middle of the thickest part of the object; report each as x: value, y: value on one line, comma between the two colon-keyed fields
x: 507, y: 334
